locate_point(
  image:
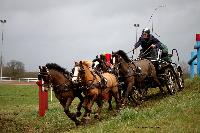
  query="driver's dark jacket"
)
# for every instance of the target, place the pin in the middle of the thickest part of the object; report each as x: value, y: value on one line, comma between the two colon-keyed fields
x: 145, y: 44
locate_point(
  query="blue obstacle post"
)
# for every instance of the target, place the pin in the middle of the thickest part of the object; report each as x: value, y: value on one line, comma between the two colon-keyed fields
x: 195, y: 56
x: 197, y: 46
x: 192, y: 65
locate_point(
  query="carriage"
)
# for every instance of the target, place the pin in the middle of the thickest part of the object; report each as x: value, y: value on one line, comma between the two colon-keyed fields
x: 169, y: 73
x: 137, y: 78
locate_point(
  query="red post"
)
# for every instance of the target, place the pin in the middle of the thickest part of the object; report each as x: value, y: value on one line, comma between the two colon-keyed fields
x: 197, y: 37
x: 46, y: 99
x: 108, y: 57
x: 43, y: 99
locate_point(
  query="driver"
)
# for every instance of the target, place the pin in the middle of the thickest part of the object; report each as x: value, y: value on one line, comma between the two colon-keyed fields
x: 149, y: 45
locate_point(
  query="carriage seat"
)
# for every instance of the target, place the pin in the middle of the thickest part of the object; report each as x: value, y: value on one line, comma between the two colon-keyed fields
x: 162, y: 56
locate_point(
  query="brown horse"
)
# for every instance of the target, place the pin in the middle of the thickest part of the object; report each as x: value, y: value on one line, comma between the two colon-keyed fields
x: 95, y: 89
x: 57, y: 77
x: 137, y: 75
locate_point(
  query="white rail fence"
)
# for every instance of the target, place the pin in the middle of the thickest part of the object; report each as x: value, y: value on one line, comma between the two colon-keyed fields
x: 28, y: 79
x: 5, y: 78
x: 19, y: 80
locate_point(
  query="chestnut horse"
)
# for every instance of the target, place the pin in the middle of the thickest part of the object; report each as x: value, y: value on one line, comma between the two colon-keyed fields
x: 96, y: 88
x: 137, y: 75
x: 57, y: 77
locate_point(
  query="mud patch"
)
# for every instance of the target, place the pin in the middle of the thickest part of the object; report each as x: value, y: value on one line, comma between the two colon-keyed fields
x: 9, y: 124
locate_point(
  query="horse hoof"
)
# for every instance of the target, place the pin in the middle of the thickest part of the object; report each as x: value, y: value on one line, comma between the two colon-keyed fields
x: 124, y: 104
x: 78, y: 123
x: 85, y: 120
x: 110, y: 108
x: 96, y: 116
x: 78, y: 114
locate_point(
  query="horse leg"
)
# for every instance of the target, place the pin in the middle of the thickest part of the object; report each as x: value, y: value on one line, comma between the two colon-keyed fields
x: 110, y: 101
x: 127, y: 94
x: 87, y: 112
x: 78, y: 113
x: 117, y: 98
x: 88, y: 102
x: 72, y: 116
x: 100, y: 106
x: 159, y: 85
x: 121, y: 92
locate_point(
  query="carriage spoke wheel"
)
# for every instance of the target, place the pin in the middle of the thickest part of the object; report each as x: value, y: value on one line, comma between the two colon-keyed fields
x: 171, y: 83
x: 180, y: 81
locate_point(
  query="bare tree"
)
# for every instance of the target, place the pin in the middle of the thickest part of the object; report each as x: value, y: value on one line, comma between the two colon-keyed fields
x: 14, y: 69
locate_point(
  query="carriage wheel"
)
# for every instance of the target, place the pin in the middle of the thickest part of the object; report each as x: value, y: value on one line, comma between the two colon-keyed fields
x: 171, y: 82
x: 180, y: 80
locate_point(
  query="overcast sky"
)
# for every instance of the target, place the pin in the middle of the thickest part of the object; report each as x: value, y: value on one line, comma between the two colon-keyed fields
x: 64, y: 31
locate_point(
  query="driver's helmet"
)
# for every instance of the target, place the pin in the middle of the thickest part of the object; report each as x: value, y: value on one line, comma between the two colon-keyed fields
x: 146, y: 30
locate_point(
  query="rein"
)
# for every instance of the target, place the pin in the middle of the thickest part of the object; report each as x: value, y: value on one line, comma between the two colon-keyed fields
x: 145, y: 53
x: 128, y: 70
x: 65, y: 87
x: 91, y: 82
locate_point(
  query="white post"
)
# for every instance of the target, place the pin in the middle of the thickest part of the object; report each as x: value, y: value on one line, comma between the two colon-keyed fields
x: 136, y: 28
x: 2, y: 21
x: 51, y: 94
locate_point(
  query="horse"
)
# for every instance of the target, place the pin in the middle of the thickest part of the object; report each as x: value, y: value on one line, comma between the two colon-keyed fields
x: 96, y: 88
x: 137, y: 75
x: 60, y: 80
x: 101, y: 65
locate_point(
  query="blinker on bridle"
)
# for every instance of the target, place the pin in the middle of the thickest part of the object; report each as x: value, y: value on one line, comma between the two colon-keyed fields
x: 44, y: 73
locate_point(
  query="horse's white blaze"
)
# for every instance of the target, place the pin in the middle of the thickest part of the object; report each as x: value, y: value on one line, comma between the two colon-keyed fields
x: 113, y: 60
x: 75, y: 74
x: 43, y: 88
x: 95, y: 64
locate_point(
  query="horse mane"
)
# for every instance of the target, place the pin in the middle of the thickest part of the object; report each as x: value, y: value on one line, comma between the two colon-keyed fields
x: 123, y: 55
x: 86, y: 63
x: 97, y: 59
x: 56, y: 67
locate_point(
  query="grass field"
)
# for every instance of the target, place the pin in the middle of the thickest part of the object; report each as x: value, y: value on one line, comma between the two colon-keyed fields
x: 177, y: 113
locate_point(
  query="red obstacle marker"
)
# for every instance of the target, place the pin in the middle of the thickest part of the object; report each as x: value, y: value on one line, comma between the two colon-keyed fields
x: 43, y: 98
x: 197, y: 37
x: 108, y: 56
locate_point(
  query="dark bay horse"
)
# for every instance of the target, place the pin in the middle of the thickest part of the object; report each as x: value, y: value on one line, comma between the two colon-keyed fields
x: 57, y: 77
x: 137, y: 74
x: 95, y: 89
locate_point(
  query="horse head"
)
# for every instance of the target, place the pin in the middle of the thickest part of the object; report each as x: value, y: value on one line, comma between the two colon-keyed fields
x: 75, y: 72
x: 45, y: 77
x: 55, y: 76
x: 119, y: 59
x: 81, y: 72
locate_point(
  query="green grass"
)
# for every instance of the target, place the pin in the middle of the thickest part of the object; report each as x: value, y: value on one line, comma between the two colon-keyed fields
x: 177, y: 113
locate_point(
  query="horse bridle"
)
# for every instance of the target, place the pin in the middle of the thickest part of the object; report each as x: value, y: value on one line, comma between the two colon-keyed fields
x: 50, y: 84
x: 92, y: 84
x: 44, y: 75
x: 129, y: 67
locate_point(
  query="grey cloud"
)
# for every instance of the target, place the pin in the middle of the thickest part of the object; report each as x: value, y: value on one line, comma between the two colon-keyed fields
x: 65, y: 31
